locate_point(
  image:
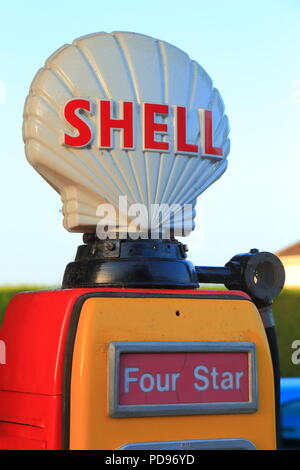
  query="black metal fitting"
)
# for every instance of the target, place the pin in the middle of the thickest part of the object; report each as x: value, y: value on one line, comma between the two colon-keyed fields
x: 260, y: 274
x: 141, y: 263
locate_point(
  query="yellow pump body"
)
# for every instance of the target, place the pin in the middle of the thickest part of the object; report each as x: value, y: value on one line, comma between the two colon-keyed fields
x: 170, y: 322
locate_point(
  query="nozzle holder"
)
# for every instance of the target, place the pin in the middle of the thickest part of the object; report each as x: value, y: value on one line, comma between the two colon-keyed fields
x: 260, y: 274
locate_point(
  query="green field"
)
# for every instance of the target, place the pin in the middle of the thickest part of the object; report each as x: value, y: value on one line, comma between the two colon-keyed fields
x: 286, y: 313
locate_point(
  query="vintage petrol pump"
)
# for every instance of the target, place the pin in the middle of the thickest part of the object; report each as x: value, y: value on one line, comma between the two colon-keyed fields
x: 130, y: 353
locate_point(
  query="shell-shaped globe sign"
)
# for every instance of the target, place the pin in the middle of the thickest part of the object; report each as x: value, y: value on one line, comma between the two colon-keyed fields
x: 122, y: 121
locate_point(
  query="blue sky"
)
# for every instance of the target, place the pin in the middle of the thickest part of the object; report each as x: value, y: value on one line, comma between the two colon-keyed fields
x: 251, y: 51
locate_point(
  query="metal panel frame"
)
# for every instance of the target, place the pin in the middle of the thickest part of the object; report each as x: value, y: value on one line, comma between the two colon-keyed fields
x: 119, y: 347
x: 205, y: 444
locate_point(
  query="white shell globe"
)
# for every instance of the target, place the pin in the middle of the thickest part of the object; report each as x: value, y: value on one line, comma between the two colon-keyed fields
x: 121, y: 66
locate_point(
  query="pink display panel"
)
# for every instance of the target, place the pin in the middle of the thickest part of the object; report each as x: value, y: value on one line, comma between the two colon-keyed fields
x: 162, y: 378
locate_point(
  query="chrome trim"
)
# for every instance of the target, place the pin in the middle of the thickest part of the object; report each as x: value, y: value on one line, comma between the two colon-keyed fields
x: 208, y: 444
x: 116, y: 348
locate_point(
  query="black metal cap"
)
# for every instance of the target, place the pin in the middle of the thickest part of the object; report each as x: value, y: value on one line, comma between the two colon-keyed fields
x: 131, y: 263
